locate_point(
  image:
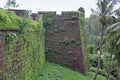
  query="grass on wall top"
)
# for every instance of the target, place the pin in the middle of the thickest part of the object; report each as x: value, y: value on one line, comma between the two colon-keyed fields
x: 8, y: 19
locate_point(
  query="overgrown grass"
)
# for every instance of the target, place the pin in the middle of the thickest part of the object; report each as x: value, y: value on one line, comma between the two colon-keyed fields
x: 53, y: 71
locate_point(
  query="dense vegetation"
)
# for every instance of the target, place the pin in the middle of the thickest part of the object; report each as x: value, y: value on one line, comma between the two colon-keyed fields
x: 103, y: 39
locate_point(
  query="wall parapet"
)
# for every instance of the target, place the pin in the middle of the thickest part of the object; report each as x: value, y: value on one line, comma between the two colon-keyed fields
x: 35, y: 16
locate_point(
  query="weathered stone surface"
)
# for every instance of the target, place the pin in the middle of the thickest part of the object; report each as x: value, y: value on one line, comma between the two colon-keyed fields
x: 63, y: 43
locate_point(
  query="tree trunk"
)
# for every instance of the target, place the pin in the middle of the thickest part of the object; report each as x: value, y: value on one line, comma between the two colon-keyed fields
x: 109, y: 67
x: 99, y: 55
x: 119, y: 74
x: 99, y: 62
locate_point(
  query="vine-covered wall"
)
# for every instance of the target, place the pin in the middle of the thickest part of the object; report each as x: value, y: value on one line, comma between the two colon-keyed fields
x: 21, y: 48
x: 84, y: 39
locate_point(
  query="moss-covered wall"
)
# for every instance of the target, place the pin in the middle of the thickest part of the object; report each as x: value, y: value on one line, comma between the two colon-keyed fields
x: 47, y: 18
x: 21, y: 47
x: 63, y: 41
x: 84, y: 39
x: 70, y: 14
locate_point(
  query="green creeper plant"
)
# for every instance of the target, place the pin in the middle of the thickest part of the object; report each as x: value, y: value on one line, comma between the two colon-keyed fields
x: 24, y: 50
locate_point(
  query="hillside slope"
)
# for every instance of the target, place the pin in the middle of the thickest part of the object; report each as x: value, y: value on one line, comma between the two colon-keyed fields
x: 53, y: 71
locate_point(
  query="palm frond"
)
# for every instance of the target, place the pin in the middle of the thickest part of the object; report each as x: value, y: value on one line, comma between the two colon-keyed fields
x: 114, y: 28
x: 105, y: 7
x: 95, y: 12
x: 114, y: 33
x: 99, y: 5
x: 110, y: 6
x: 118, y: 42
x: 116, y: 12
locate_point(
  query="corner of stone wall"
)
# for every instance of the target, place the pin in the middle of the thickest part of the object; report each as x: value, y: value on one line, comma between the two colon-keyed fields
x: 83, y: 37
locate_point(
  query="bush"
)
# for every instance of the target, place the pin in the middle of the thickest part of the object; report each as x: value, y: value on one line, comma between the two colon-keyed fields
x: 100, y: 72
x: 94, y: 60
x: 48, y: 19
x: 91, y: 48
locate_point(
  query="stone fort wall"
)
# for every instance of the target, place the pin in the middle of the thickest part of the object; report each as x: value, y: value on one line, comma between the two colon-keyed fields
x: 62, y: 38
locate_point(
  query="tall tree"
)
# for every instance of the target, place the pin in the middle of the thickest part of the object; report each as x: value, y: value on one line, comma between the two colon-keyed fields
x: 104, y: 10
x: 10, y: 4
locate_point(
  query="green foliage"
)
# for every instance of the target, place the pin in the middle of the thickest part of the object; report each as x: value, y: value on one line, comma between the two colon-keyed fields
x: 71, y: 15
x: 55, y: 30
x: 10, y: 37
x: 62, y: 29
x: 7, y: 18
x: 90, y: 76
x: 91, y: 48
x: 113, y: 43
x: 48, y: 19
x: 4, y: 18
x: 58, y: 29
x: 47, y: 50
x: 93, y: 60
x: 100, y: 72
x: 65, y: 40
x: 77, y: 42
x: 93, y: 39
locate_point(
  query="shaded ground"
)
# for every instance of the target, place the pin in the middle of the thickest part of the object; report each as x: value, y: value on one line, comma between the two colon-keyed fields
x: 53, y: 71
